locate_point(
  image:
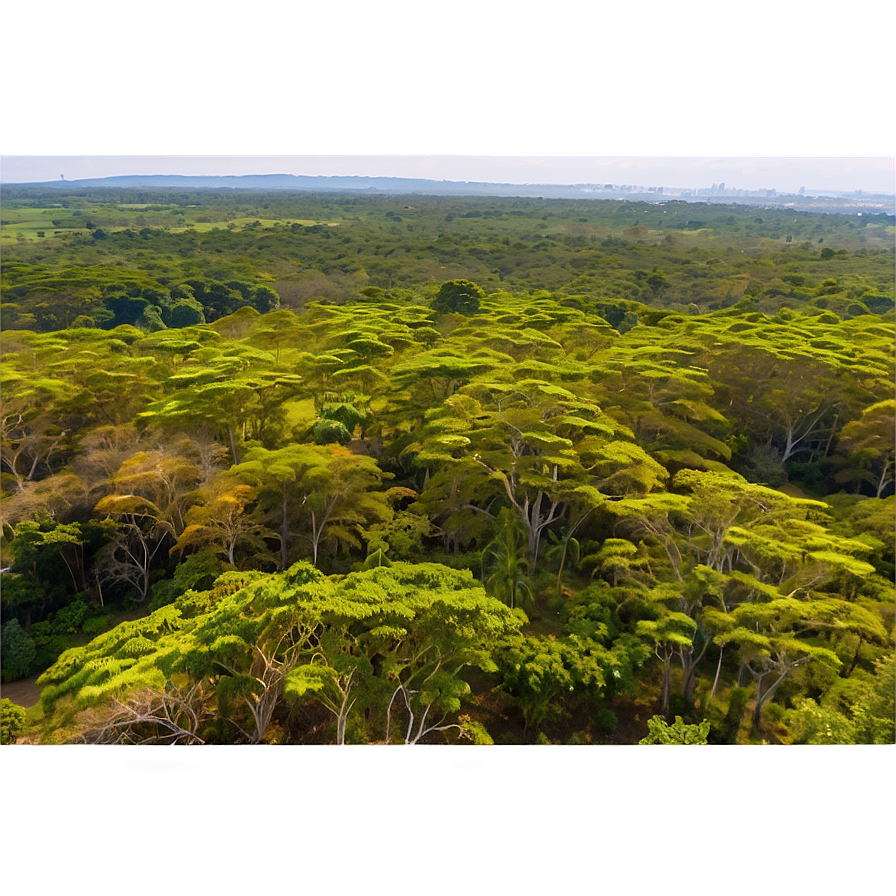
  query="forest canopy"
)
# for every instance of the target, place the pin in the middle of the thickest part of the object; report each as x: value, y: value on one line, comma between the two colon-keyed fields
x: 282, y: 468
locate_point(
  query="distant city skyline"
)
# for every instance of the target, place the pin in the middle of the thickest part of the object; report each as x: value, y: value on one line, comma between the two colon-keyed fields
x: 784, y: 174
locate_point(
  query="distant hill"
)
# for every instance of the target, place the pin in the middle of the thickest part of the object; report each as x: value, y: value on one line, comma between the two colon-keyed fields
x: 307, y: 183
x: 840, y: 202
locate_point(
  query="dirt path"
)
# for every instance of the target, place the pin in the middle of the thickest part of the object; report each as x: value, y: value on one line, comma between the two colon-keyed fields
x: 24, y: 693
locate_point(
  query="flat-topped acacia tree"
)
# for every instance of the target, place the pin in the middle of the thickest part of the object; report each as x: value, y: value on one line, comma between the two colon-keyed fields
x: 393, y: 640
x: 327, y: 490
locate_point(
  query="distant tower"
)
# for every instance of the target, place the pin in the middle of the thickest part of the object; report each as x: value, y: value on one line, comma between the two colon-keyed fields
x: 62, y: 176
x: 722, y: 187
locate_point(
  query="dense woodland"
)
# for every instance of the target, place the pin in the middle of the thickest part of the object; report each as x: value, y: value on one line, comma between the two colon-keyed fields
x: 283, y: 468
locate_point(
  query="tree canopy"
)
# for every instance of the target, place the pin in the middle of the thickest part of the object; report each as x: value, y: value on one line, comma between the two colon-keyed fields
x: 352, y: 495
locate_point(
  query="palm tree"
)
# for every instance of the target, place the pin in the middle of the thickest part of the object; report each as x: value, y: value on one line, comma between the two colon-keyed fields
x: 505, y: 556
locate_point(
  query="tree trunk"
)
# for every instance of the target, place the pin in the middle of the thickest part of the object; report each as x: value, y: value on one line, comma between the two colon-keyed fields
x: 757, y: 709
x: 689, y: 683
x: 344, y: 709
x: 533, y: 548
x: 667, y: 682
x: 262, y: 713
x: 232, y: 444
x: 315, y: 540
x: 884, y: 480
x: 715, y: 682
x: 763, y: 698
x: 689, y: 663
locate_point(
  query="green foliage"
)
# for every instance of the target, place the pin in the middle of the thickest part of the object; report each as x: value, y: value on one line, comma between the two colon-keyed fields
x: 405, y: 629
x: 857, y: 710
x: 593, y: 660
x: 185, y: 313
x: 475, y: 731
x: 197, y: 573
x: 660, y: 732
x: 876, y: 712
x: 17, y: 651
x: 52, y: 636
x: 814, y: 724
x: 328, y: 431
x: 737, y: 704
x: 12, y: 721
x: 458, y: 297
x: 504, y: 558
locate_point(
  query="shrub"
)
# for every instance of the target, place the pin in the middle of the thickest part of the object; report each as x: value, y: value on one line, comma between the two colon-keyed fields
x: 54, y: 635
x: 475, y: 731
x: 328, y: 431
x: 12, y: 721
x: 814, y: 724
x: 17, y: 649
x: 659, y: 732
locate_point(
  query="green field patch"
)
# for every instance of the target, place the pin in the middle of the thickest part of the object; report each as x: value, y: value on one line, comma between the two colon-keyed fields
x: 245, y: 223
x: 201, y: 227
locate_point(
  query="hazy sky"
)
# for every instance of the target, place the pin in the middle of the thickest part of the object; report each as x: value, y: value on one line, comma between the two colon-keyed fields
x: 759, y: 95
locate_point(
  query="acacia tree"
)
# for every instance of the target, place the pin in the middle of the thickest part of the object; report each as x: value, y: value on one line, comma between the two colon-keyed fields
x: 789, y: 403
x: 722, y: 532
x: 396, y: 638
x: 770, y: 637
x: 34, y: 423
x: 439, y: 373
x: 433, y: 624
x: 671, y: 633
x: 344, y: 498
x: 230, y: 391
x: 335, y: 676
x: 153, y: 491
x: 867, y: 447
x: 279, y: 477
x: 221, y: 519
x: 34, y: 543
x: 666, y: 405
x: 794, y: 598
x: 334, y: 490
x: 505, y: 442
